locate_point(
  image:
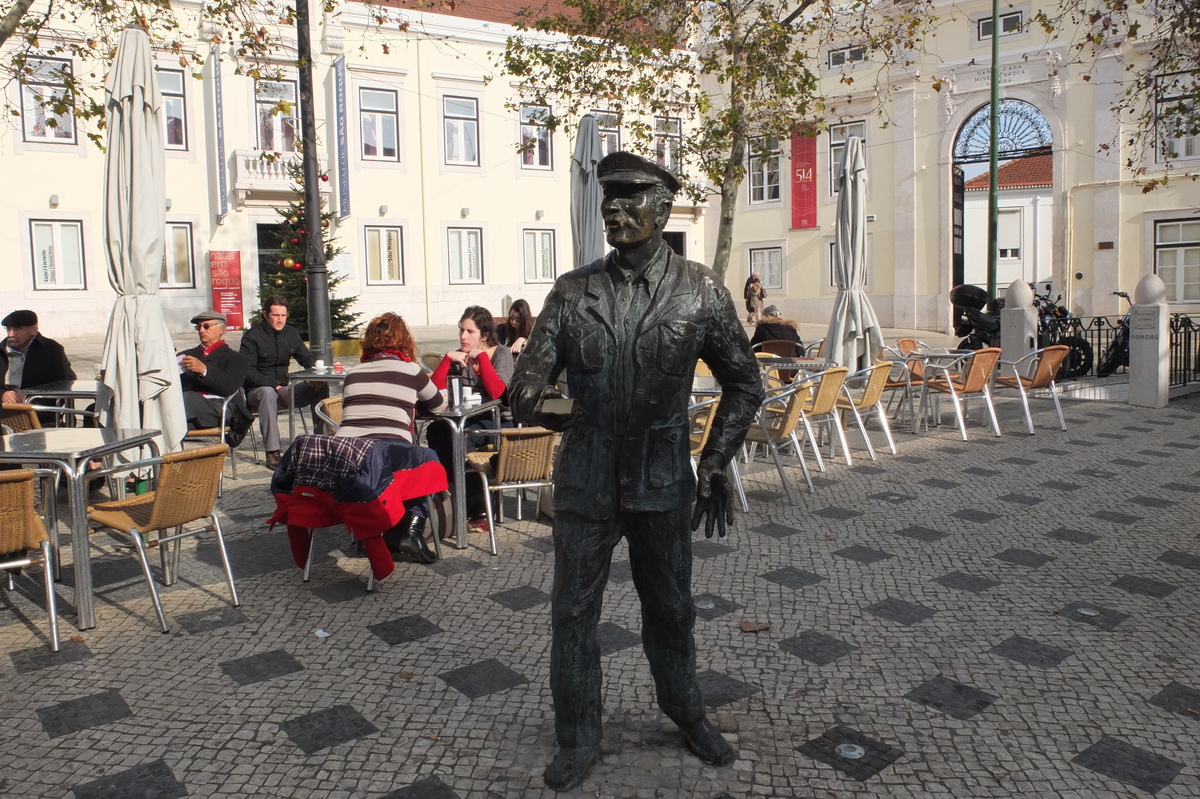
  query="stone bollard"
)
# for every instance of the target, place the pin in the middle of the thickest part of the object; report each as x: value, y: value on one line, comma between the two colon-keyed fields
x: 1149, y: 344
x: 1018, y: 322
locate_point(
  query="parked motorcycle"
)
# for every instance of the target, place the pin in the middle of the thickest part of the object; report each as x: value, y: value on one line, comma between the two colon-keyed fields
x: 1116, y: 354
x: 981, y: 328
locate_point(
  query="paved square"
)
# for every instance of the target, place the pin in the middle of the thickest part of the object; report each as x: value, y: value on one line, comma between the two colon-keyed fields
x: 791, y: 577
x: 1030, y: 652
x: 901, y: 611
x: 331, y: 726
x: 955, y: 699
x: 401, y: 631
x: 816, y: 647
x: 259, y: 668
x: 74, y: 715
x: 1122, y: 761
x: 851, y: 752
x: 482, y: 678
x: 147, y: 780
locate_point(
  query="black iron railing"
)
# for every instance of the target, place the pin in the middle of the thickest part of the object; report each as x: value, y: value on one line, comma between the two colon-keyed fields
x: 1185, y: 338
x: 1096, y: 333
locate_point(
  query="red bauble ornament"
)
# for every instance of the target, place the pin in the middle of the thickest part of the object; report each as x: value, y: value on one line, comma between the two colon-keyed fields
x: 295, y: 241
x: 297, y: 266
x: 325, y: 178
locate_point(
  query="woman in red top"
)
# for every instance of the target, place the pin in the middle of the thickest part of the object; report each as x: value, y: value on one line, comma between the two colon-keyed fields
x: 485, y: 366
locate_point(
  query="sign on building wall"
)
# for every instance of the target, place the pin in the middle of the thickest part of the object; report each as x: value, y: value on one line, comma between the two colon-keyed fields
x: 225, y: 266
x: 804, y: 181
x: 343, y: 150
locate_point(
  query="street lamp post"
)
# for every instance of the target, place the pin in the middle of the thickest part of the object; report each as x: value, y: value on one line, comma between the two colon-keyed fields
x: 993, y: 244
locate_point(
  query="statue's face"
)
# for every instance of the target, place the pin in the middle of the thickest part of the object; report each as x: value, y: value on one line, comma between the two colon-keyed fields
x: 628, y: 213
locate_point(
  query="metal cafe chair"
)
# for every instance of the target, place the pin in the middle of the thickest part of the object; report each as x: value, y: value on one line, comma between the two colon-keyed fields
x: 775, y: 426
x: 524, y: 458
x: 185, y: 492
x: 964, y: 377
x: 22, y: 529
x: 873, y: 379
x: 221, y: 432
x: 329, y: 411
x: 820, y: 408
x: 1035, y: 372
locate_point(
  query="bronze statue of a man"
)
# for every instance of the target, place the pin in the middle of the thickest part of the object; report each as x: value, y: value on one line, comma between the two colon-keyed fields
x: 627, y: 330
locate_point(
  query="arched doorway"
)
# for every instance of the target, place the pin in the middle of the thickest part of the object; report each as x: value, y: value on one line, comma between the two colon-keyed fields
x: 1025, y: 178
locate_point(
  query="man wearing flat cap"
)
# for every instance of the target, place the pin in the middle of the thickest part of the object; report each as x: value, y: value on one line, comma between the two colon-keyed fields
x: 627, y: 330
x: 208, y: 374
x: 29, y: 358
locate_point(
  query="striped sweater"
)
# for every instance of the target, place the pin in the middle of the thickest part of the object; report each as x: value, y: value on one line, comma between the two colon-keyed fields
x: 380, y: 396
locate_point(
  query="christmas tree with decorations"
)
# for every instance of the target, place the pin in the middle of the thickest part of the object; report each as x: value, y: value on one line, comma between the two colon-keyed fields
x: 290, y: 280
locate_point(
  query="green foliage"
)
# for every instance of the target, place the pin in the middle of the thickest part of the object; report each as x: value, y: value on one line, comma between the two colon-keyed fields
x: 734, y: 72
x: 290, y: 281
x: 1158, y: 48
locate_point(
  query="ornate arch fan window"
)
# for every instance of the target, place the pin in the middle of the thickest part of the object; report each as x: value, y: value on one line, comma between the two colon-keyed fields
x: 1024, y: 131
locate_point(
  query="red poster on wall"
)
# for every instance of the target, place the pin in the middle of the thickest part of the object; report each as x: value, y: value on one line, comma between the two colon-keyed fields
x: 804, y: 181
x: 226, y: 270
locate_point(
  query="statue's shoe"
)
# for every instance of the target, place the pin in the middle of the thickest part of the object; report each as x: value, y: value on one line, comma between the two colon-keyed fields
x: 707, y: 743
x: 570, y: 766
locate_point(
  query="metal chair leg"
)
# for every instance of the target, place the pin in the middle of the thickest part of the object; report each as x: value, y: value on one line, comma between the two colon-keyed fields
x: 51, y: 596
x: 141, y: 553
x: 225, y: 559
x: 312, y: 546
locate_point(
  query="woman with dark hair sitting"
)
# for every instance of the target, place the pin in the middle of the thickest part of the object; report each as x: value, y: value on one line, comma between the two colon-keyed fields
x: 516, y: 331
x: 380, y: 399
x: 484, y: 366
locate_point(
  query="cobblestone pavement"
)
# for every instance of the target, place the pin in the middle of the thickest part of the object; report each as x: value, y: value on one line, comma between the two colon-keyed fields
x: 996, y: 618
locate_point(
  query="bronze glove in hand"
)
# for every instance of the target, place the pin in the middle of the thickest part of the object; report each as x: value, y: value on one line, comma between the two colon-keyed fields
x: 713, y: 497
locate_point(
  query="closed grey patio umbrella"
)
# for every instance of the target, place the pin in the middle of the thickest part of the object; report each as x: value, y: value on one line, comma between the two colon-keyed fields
x: 139, y: 356
x: 587, y: 228
x: 854, y: 338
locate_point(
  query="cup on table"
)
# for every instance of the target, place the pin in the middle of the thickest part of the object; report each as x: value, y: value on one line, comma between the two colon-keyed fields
x: 99, y: 370
x: 319, y: 365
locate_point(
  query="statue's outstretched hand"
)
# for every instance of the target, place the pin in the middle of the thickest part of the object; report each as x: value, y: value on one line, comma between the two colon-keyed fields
x: 553, y: 411
x: 714, y: 498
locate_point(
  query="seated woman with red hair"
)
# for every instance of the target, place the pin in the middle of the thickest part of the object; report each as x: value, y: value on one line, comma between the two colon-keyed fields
x: 380, y: 399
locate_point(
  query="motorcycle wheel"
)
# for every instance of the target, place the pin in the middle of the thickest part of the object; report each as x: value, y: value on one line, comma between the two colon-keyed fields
x: 971, y: 342
x: 1079, y: 360
x: 1114, y: 355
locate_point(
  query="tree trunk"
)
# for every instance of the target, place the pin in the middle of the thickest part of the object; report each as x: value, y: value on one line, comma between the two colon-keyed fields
x: 730, y: 185
x: 8, y: 25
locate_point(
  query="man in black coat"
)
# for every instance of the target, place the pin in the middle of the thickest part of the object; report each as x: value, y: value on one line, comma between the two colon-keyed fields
x: 628, y: 329
x: 208, y: 374
x: 28, y: 358
x: 268, y: 348
x: 773, y: 328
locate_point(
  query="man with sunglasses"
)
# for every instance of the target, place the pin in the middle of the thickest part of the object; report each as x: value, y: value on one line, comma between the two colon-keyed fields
x: 208, y: 374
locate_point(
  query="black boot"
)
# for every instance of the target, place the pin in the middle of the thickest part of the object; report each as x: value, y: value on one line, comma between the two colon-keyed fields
x: 408, y: 538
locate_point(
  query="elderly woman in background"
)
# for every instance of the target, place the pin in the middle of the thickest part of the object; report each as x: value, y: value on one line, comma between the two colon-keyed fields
x: 380, y: 399
x: 774, y: 328
x: 516, y: 331
x: 485, y: 366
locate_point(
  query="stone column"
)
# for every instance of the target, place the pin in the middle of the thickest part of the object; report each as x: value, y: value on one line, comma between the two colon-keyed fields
x: 1018, y: 322
x: 1149, y: 344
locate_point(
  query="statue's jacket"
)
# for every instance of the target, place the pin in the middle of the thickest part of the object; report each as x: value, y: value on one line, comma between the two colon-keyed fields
x: 639, y: 462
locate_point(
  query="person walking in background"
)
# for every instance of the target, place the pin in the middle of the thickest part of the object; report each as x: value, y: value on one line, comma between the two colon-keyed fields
x: 755, y: 294
x: 516, y: 331
x: 269, y: 348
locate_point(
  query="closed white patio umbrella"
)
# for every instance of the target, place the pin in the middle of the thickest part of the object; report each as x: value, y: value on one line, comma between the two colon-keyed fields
x: 139, y: 356
x: 587, y: 228
x: 854, y: 338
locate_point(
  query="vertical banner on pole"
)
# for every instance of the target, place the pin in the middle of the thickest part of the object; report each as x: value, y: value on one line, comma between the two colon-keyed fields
x: 343, y: 150
x: 219, y: 114
x: 804, y: 181
x: 225, y: 266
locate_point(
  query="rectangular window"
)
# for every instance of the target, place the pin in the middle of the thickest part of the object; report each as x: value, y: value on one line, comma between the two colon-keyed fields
x: 539, y: 256
x: 833, y: 265
x: 768, y: 262
x: 1008, y: 233
x: 610, y: 131
x: 837, y: 148
x: 765, y: 157
x: 385, y: 256
x: 177, y: 268
x: 668, y: 141
x: 464, y: 247
x: 277, y: 112
x: 461, y: 118
x: 1175, y: 102
x: 170, y: 84
x: 57, y: 254
x: 379, y: 123
x: 1009, y: 23
x: 847, y: 55
x: 1177, y: 258
x: 45, y: 117
x: 535, y: 137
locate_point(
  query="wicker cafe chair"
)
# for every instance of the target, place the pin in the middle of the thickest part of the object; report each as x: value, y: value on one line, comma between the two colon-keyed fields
x: 963, y: 378
x: 873, y: 379
x: 222, y: 431
x: 1035, y: 372
x: 185, y: 492
x: 21, y: 529
x: 700, y: 419
x: 329, y: 411
x: 524, y: 458
x: 775, y: 426
x: 821, y: 408
x: 21, y: 416
x: 429, y: 361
